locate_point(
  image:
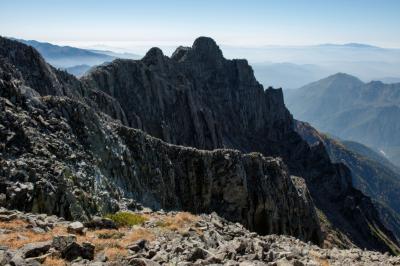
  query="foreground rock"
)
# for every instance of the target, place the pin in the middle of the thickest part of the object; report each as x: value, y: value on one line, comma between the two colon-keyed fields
x: 170, y: 238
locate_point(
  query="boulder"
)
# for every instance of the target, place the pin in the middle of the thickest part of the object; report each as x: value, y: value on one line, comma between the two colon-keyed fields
x: 100, y: 223
x: 74, y: 250
x: 138, y: 245
x: 5, y: 257
x: 17, y: 260
x: 35, y: 249
x: 63, y: 241
x: 202, y: 254
x: 76, y: 228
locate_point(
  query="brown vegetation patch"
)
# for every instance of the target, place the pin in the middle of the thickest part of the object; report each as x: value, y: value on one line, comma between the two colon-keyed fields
x: 21, y: 235
x: 317, y: 257
x: 178, y: 222
x: 137, y: 234
x: 14, y: 225
x: 50, y: 261
x: 115, y: 253
x: 18, y: 239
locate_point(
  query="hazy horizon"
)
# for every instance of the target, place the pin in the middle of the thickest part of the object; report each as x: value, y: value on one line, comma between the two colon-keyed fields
x: 177, y: 22
x: 284, y: 40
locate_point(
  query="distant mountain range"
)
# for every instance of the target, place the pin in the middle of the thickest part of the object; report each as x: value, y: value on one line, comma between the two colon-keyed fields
x: 348, y: 108
x: 288, y: 75
x: 75, y: 60
x: 288, y: 67
x: 291, y: 67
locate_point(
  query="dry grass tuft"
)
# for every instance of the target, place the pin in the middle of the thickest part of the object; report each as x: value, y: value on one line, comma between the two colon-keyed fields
x: 317, y: 257
x: 115, y: 239
x: 137, y: 234
x: 18, y: 239
x: 179, y: 222
x: 59, y: 230
x: 115, y: 253
x: 14, y: 225
x: 50, y: 261
x: 110, y: 234
x: 21, y: 235
x: 323, y: 262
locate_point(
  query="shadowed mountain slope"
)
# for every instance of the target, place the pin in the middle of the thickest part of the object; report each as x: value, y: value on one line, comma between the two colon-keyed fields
x: 371, y: 173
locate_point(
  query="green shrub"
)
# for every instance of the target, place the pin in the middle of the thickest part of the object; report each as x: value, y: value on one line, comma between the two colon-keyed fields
x: 126, y: 218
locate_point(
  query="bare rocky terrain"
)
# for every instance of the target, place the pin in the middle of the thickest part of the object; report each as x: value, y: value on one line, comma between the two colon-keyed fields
x: 164, y: 238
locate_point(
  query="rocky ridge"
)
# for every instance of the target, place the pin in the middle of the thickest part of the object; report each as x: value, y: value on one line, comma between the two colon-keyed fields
x: 60, y: 156
x: 198, y: 98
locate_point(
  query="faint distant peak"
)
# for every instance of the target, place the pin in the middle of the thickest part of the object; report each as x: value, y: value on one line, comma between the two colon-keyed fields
x: 350, y: 45
x: 340, y: 76
x: 337, y: 80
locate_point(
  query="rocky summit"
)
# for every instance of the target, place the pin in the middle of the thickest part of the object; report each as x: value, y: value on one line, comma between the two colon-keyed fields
x: 192, y: 132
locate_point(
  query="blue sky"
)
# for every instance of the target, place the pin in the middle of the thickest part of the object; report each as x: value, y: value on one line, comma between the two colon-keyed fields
x: 234, y: 22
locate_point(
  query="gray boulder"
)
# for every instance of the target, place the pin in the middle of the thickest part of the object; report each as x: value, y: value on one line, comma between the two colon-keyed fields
x: 76, y: 228
x: 74, y: 250
x: 35, y: 249
x: 63, y: 241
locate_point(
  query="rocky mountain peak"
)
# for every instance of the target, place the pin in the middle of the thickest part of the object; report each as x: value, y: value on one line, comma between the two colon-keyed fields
x: 204, y: 50
x: 36, y: 73
x: 180, y: 53
x: 344, y: 78
x: 154, y: 56
x: 206, y: 44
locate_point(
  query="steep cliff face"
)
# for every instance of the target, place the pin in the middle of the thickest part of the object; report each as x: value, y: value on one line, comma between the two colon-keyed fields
x: 197, y: 98
x: 60, y: 155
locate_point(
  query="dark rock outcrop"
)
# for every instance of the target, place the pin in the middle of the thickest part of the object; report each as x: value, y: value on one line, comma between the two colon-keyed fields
x: 250, y: 189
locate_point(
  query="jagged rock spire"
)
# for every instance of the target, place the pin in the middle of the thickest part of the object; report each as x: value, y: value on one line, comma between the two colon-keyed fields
x: 204, y: 49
